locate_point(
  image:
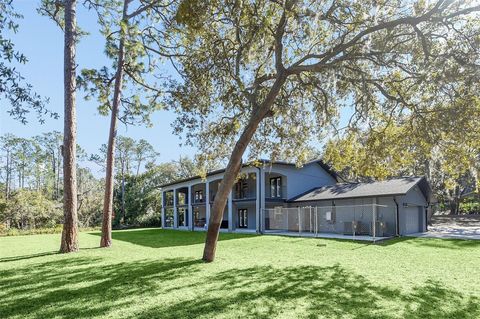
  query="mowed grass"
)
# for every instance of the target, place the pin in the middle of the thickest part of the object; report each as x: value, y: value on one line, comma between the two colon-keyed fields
x: 154, y: 273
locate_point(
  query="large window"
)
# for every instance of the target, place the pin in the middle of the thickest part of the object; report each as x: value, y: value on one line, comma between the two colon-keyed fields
x: 199, y: 196
x: 242, y: 218
x: 276, y: 187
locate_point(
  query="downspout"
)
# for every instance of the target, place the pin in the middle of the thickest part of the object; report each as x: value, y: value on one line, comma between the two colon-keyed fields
x: 397, y: 218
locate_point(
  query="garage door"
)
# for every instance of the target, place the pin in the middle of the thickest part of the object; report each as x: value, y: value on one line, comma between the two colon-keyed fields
x: 412, y: 220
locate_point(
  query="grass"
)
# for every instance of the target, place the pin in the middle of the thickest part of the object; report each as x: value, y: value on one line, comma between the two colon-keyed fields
x: 153, y: 273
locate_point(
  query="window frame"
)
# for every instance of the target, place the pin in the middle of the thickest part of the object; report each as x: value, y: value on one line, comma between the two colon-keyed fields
x: 242, y: 218
x: 276, y: 187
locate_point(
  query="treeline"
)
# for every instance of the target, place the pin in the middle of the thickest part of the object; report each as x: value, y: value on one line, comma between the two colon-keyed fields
x: 31, y: 183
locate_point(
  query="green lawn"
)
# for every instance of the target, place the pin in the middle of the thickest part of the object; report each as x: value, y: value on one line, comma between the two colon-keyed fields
x: 152, y: 273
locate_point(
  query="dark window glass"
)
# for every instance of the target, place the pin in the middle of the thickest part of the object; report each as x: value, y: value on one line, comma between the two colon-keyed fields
x: 276, y: 187
x: 243, y: 218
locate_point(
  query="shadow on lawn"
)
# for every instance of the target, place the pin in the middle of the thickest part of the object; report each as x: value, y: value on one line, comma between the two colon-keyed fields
x: 158, y: 238
x: 84, y: 287
x: 24, y: 257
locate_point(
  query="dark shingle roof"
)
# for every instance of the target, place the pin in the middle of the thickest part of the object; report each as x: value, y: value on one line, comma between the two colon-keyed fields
x: 395, y: 186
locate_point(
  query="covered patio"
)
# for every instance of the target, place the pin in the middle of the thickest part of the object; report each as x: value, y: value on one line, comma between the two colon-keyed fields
x: 368, y: 222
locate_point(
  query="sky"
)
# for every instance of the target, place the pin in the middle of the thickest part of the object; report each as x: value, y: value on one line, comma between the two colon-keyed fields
x: 42, y: 42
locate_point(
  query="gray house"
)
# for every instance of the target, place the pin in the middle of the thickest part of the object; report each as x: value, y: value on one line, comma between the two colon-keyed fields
x: 278, y: 197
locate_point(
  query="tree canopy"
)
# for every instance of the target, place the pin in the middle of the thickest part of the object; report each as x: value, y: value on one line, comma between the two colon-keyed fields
x: 18, y: 96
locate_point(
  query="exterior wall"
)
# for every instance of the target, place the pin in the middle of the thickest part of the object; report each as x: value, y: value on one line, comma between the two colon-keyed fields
x: 300, y: 180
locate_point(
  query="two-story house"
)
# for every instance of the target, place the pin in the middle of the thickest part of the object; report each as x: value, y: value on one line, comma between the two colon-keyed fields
x: 279, y: 197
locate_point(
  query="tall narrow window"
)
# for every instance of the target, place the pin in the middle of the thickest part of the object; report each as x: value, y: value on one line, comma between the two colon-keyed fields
x: 241, y: 189
x: 243, y: 218
x: 276, y: 187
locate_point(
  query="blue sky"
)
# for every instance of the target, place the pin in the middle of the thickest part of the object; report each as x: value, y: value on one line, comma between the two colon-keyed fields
x: 42, y: 42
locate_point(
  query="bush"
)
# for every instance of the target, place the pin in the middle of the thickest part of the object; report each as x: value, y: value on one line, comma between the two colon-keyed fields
x: 470, y: 208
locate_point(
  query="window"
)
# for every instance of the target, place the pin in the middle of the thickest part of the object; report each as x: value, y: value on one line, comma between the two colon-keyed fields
x: 241, y: 189
x: 276, y: 187
x: 199, y: 196
x: 242, y: 218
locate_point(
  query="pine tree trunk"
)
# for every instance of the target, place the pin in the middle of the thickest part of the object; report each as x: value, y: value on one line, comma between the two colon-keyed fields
x: 106, y: 240
x: 7, y: 180
x: 70, y: 226
x: 233, y: 168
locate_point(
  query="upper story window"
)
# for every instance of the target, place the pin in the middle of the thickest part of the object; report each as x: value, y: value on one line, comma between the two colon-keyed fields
x: 198, y: 196
x: 241, y: 189
x: 276, y: 187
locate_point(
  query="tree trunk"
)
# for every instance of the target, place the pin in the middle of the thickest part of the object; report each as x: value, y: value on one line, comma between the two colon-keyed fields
x: 70, y: 226
x: 106, y: 240
x: 123, y: 197
x: 57, y: 188
x: 7, y: 180
x: 233, y: 168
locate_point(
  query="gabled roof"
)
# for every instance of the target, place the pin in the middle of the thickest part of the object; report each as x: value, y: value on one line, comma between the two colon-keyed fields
x: 394, y: 186
x: 325, y: 166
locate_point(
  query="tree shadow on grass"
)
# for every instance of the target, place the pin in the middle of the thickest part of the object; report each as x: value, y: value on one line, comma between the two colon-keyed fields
x: 24, y: 257
x: 158, y: 238
x: 83, y: 287
x: 313, y: 292
x: 86, y: 287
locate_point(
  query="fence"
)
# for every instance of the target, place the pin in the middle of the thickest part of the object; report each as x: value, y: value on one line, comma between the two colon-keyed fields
x: 370, y: 220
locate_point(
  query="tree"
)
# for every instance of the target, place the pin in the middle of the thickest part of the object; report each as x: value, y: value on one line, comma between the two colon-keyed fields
x: 7, y: 145
x: 69, y: 148
x: 51, y: 142
x: 144, y: 153
x: 441, y: 143
x: 20, y: 95
x: 124, y: 30
x: 272, y: 74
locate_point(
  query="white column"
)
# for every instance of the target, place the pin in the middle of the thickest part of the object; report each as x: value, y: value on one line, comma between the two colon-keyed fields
x: 262, y: 200
x: 257, y: 203
x: 190, y: 208
x: 207, y: 202
x: 230, y: 212
x: 175, y: 217
x: 374, y: 217
x: 163, y: 209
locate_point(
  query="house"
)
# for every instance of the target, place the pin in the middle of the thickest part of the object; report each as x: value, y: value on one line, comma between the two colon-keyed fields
x: 278, y: 197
